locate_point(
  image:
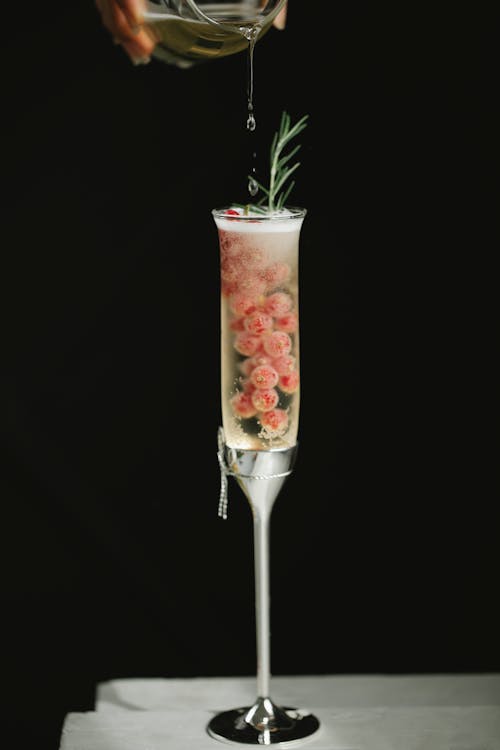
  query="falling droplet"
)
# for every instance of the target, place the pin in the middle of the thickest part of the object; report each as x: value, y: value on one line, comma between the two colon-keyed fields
x: 253, y: 187
x: 251, y: 119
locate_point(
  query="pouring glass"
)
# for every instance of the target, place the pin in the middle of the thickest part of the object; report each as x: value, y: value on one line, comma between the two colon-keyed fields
x: 188, y: 32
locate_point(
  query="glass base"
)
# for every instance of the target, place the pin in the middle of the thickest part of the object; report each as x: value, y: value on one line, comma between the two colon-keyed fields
x: 263, y: 724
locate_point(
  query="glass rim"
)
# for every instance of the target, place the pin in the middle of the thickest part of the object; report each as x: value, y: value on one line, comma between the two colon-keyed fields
x: 283, y: 214
x: 265, y: 11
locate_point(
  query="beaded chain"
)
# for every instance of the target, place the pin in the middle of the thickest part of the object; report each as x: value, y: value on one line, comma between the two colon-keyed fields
x: 226, y: 471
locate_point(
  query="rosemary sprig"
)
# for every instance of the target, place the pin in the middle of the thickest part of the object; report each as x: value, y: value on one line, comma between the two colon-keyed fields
x: 280, y: 172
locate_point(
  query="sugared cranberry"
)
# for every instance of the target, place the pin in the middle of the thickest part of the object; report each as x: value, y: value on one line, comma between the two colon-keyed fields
x: 274, y: 421
x: 230, y: 270
x: 264, y: 376
x: 242, y: 304
x: 237, y: 324
x: 242, y: 405
x: 277, y: 344
x: 249, y: 284
x: 252, y: 258
x: 289, y: 383
x: 278, y: 304
x: 265, y: 399
x: 284, y: 364
x: 247, y: 344
x: 227, y: 288
x: 275, y: 275
x: 258, y: 323
x: 251, y: 363
x: 287, y: 323
x: 247, y: 385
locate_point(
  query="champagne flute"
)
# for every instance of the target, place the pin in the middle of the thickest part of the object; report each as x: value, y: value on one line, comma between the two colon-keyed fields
x: 257, y: 443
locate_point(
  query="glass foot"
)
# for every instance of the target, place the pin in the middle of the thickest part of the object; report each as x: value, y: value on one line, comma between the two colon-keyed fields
x: 264, y: 723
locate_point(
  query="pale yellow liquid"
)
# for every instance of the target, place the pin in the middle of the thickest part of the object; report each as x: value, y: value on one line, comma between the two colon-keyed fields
x: 274, y: 247
x: 185, y: 41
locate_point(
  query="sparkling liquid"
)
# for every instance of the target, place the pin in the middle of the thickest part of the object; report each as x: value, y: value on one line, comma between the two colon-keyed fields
x: 260, y: 388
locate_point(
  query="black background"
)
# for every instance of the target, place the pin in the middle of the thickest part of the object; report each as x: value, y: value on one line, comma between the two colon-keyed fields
x: 385, y: 543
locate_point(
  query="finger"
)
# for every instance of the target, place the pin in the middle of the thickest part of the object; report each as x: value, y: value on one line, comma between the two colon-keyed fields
x: 136, y: 41
x: 140, y: 47
x: 280, y: 20
x: 137, y: 53
x: 133, y: 10
x: 116, y: 22
x: 107, y: 9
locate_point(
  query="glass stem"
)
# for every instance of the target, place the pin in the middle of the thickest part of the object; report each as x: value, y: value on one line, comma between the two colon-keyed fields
x: 261, y: 529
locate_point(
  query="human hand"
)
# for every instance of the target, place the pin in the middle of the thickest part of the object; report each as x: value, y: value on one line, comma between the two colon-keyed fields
x: 124, y: 19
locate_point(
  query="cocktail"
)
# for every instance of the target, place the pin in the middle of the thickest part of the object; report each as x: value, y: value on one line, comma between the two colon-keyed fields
x: 259, y: 328
x: 260, y: 392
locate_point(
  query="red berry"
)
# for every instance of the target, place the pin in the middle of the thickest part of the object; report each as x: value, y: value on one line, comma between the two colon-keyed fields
x: 265, y: 399
x: 241, y: 266
x: 251, y: 285
x: 261, y: 359
x: 276, y: 274
x: 243, y: 406
x: 264, y: 376
x: 237, y: 324
x: 246, y: 366
x: 284, y: 364
x: 248, y: 386
x: 229, y: 270
x: 289, y: 383
x: 242, y: 304
x: 230, y: 243
x: 277, y: 343
x: 227, y: 288
x: 232, y: 212
x: 245, y: 343
x: 278, y: 304
x: 225, y: 241
x: 252, y: 258
x: 288, y: 322
x: 258, y: 323
x: 251, y: 363
x: 274, y: 422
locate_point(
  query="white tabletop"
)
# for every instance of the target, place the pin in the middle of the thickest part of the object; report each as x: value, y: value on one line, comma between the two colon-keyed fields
x: 379, y: 712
